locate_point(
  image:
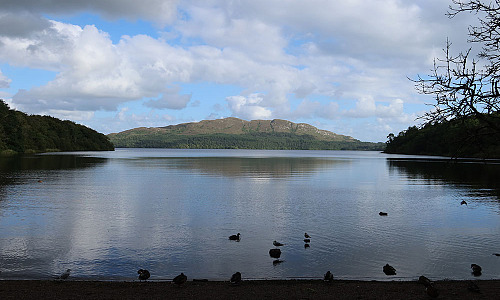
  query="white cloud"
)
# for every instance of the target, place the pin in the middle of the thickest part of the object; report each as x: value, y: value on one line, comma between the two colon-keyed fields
x: 248, y: 107
x: 170, y: 99
x: 367, y: 107
x: 4, y: 81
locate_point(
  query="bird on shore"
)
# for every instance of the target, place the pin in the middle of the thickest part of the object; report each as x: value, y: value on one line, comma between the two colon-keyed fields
x: 306, y: 235
x: 277, y: 244
x: 328, y: 277
x: 424, y: 280
x: 463, y: 202
x: 476, y: 269
x: 235, y: 237
x: 389, y: 270
x: 432, y: 291
x: 382, y: 213
x: 64, y: 275
x: 180, y: 279
x: 275, y: 253
x: 236, y: 278
x: 143, y: 274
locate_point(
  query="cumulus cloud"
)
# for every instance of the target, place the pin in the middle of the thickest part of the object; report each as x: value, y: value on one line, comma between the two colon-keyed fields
x: 248, y: 107
x: 170, y: 99
x: 4, y: 81
x: 367, y: 107
x: 159, y: 11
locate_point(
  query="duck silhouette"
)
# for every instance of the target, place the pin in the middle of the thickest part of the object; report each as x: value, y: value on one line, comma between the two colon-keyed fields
x: 476, y: 270
x: 235, y: 237
x: 307, y: 240
x: 277, y: 244
x: 382, y: 213
x: 306, y: 235
x: 236, y: 278
x: 389, y: 270
x: 424, y: 280
x: 180, y: 279
x: 463, y: 202
x: 143, y: 274
x: 328, y: 277
x: 64, y: 275
x: 275, y: 253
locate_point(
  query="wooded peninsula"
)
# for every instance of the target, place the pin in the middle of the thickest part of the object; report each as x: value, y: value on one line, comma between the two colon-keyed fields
x: 22, y: 133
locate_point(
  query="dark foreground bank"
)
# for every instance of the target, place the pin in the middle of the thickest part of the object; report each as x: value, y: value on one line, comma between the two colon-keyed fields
x: 260, y: 289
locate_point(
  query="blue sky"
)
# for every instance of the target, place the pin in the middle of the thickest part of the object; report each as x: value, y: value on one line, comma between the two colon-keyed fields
x: 119, y: 64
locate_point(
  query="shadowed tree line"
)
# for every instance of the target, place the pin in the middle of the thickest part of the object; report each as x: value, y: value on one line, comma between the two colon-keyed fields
x: 22, y: 133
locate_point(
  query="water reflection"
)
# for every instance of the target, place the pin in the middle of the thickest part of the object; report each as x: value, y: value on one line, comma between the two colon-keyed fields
x: 482, y: 178
x: 268, y: 167
x: 107, y: 215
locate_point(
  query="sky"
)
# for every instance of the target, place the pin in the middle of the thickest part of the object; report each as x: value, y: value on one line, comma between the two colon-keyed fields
x: 114, y: 65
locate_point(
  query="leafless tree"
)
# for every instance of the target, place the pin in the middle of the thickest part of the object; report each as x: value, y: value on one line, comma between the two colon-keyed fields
x: 466, y: 85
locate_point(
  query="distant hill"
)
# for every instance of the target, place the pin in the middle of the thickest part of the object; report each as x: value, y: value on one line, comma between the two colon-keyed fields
x: 234, y: 133
x: 22, y: 133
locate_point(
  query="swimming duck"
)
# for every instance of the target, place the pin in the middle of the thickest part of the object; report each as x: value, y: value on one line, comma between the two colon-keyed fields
x: 236, y: 278
x: 143, y: 274
x: 328, y: 277
x: 389, y: 270
x: 463, y: 202
x: 307, y: 240
x: 235, y: 237
x: 306, y: 245
x: 496, y: 254
x: 275, y: 253
x: 476, y: 270
x: 306, y: 235
x: 180, y: 279
x: 64, y: 275
x: 277, y: 244
x: 382, y: 213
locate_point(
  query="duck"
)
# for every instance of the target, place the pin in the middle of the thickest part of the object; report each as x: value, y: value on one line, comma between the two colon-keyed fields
x: 143, y: 274
x: 432, y: 291
x: 496, y: 254
x: 235, y: 237
x: 424, y: 280
x: 463, y: 202
x: 382, y: 213
x: 275, y: 253
x: 64, y: 275
x: 328, y: 277
x: 306, y: 235
x: 307, y: 240
x: 180, y: 279
x: 476, y: 269
x: 277, y: 244
x: 389, y: 270
x: 306, y: 245
x: 236, y: 278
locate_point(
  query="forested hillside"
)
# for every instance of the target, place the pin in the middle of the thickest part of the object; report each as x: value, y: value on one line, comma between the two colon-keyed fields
x: 234, y: 133
x: 22, y: 133
x: 465, y: 137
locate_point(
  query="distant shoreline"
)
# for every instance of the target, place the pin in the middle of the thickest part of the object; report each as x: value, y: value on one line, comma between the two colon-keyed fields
x: 251, y: 289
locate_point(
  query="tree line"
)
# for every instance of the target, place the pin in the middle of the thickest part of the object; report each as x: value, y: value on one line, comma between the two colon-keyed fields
x: 22, y: 133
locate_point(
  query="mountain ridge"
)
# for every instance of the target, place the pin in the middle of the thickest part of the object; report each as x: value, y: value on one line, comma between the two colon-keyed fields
x: 232, y: 125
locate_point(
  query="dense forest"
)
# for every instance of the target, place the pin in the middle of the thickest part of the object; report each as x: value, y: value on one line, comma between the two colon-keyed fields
x: 462, y: 137
x: 22, y: 133
x: 254, y: 140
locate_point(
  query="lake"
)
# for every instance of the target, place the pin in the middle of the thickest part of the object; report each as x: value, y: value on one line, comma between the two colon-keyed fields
x: 104, y: 215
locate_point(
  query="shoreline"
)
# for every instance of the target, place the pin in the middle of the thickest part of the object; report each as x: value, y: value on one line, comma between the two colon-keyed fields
x: 250, y: 289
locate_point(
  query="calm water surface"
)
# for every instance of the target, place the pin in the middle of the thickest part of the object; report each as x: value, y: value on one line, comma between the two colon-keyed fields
x: 106, y: 214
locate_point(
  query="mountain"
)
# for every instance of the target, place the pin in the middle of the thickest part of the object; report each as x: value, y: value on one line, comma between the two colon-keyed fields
x: 234, y: 133
x: 22, y: 133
